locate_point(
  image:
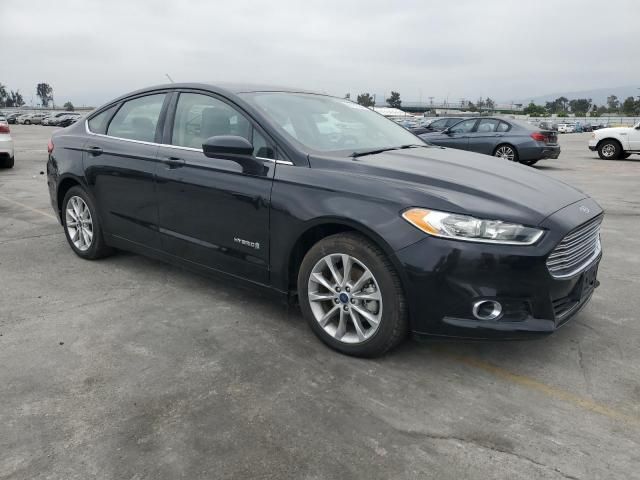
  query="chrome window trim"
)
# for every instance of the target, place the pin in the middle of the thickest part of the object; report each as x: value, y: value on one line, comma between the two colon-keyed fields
x: 179, y: 147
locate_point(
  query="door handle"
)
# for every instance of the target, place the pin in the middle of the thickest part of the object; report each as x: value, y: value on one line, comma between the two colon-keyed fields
x: 174, y: 162
x: 95, y: 151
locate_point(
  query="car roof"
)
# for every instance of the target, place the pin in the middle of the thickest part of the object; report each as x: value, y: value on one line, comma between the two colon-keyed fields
x: 222, y: 88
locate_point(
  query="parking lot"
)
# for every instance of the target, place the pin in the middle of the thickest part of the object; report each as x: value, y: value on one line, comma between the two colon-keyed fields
x: 127, y: 368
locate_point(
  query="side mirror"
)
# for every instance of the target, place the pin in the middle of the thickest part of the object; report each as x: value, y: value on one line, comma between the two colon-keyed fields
x: 227, y: 146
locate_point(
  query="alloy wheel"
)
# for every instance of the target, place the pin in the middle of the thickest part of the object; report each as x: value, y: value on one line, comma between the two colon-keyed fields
x: 79, y: 223
x: 506, y: 152
x: 608, y: 150
x: 345, y: 298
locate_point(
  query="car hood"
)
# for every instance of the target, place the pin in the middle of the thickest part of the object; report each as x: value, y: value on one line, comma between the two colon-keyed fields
x: 456, y: 181
x: 612, y: 130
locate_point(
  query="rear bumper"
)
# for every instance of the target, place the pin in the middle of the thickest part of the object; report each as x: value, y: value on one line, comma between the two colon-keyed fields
x: 443, y: 279
x: 539, y: 152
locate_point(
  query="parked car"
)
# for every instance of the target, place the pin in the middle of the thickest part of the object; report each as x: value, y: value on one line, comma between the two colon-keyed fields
x: 547, y: 125
x: 616, y: 143
x: 68, y: 119
x: 31, y: 118
x: 55, y: 118
x: 587, y: 127
x: 566, y: 127
x: 506, y: 138
x: 436, y: 124
x: 375, y: 234
x: 6, y: 145
x: 11, y: 118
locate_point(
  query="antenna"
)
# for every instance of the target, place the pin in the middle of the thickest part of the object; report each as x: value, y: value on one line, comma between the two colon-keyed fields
x: 170, y: 79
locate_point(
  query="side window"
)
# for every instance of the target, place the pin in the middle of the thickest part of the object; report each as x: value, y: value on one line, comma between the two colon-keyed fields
x: 504, y: 127
x: 260, y: 146
x: 199, y: 117
x: 137, y: 119
x: 487, y: 125
x: 464, y: 127
x: 98, y: 124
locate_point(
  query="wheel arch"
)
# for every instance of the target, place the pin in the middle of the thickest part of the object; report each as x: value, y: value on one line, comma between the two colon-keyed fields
x: 64, y: 185
x: 612, y: 139
x: 326, y: 227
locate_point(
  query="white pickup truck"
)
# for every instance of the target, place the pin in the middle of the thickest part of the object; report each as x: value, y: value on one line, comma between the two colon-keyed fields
x: 616, y: 143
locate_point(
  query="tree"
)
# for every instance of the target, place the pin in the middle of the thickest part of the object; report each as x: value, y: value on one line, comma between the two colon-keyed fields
x: 45, y: 92
x: 366, y: 100
x: 68, y: 107
x: 16, y: 99
x: 594, y: 110
x: 490, y: 104
x: 3, y: 96
x: 394, y: 100
x: 580, y: 106
x: 630, y: 106
x: 613, y: 103
x: 534, y: 110
x: 472, y: 107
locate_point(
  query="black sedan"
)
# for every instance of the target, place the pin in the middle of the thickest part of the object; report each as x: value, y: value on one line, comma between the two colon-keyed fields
x: 509, y: 139
x: 319, y: 199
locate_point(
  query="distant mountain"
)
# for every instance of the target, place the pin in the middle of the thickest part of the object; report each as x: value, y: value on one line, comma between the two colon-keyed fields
x: 599, y: 95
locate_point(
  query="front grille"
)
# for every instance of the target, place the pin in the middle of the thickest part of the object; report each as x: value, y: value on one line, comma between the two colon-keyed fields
x: 576, y: 251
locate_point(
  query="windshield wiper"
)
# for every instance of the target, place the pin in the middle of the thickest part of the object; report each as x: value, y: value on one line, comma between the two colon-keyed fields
x: 362, y: 153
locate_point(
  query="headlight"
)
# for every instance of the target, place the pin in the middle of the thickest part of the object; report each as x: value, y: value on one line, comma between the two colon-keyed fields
x: 471, y: 229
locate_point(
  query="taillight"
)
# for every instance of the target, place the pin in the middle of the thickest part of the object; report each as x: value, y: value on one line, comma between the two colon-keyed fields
x: 538, y: 137
x: 50, y: 146
x: 4, y: 128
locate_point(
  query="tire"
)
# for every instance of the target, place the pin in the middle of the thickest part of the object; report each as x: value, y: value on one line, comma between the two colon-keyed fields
x: 96, y: 247
x: 530, y: 163
x: 609, y: 150
x: 378, y: 298
x: 27, y: 122
x: 506, y: 151
x: 7, y: 163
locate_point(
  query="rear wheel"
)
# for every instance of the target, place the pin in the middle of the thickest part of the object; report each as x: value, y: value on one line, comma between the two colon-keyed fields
x: 82, y: 226
x: 7, y: 162
x: 609, y: 150
x: 508, y: 152
x: 350, y: 294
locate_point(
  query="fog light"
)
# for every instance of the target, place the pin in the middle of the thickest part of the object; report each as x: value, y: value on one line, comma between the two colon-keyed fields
x: 487, y: 309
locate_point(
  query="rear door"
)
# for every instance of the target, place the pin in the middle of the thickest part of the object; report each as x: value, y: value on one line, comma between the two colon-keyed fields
x: 212, y: 211
x: 120, y: 165
x: 485, y: 136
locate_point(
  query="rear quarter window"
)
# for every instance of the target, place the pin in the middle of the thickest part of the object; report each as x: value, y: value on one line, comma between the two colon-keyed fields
x: 98, y: 124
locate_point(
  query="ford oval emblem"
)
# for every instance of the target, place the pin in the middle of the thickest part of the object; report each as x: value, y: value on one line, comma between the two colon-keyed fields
x: 584, y: 209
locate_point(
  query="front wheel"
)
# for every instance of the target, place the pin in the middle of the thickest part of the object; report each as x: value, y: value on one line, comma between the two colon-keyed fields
x: 609, y: 150
x: 508, y: 152
x: 82, y: 226
x: 351, y: 296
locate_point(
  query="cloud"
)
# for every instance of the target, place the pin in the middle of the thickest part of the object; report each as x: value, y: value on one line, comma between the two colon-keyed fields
x: 91, y: 50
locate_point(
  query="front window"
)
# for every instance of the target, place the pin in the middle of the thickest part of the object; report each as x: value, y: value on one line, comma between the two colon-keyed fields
x: 327, y: 124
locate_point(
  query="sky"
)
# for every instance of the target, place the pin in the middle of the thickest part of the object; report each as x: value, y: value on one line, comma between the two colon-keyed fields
x: 90, y: 51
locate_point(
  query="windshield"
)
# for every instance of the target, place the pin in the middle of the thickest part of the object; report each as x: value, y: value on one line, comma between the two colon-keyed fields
x: 328, y: 124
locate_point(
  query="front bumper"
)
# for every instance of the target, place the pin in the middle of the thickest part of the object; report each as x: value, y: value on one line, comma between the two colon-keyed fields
x: 444, y: 278
x: 593, y: 145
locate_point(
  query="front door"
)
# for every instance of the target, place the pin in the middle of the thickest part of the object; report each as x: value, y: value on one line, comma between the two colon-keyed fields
x: 213, y: 211
x: 634, y: 138
x: 485, y: 136
x: 456, y: 136
x: 120, y: 165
